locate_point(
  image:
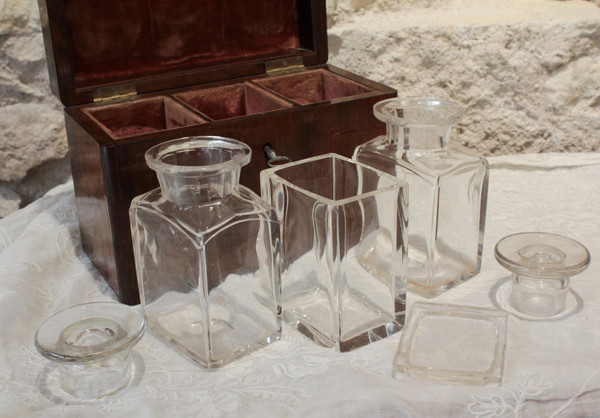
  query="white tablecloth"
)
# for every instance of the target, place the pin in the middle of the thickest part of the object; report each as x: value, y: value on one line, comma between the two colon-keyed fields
x: 552, y: 367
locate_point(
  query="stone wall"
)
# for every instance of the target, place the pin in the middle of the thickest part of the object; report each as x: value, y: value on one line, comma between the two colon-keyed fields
x: 33, y: 145
x: 528, y: 71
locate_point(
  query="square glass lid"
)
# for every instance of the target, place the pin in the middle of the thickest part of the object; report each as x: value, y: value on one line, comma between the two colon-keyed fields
x: 453, y: 344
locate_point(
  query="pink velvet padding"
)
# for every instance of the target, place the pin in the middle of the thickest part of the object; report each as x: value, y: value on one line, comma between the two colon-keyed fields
x: 112, y: 41
x: 232, y: 101
x: 258, y: 96
x: 142, y: 116
x: 312, y: 86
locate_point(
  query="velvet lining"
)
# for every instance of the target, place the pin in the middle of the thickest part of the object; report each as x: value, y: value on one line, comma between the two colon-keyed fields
x: 232, y: 101
x: 121, y: 40
x: 198, y: 106
x: 313, y: 86
x: 142, y: 116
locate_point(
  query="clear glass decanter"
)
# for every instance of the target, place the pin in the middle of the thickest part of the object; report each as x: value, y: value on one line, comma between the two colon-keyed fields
x: 447, y: 189
x: 206, y: 252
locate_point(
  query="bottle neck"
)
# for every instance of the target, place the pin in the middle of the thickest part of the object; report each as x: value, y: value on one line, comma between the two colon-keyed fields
x: 419, y: 123
x: 198, y: 170
x: 198, y: 189
x: 419, y: 137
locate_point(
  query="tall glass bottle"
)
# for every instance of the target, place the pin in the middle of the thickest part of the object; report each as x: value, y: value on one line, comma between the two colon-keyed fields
x: 206, y: 252
x: 447, y: 189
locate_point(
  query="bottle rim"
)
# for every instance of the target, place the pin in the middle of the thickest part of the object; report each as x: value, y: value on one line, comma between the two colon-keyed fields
x: 424, y: 111
x: 239, y: 154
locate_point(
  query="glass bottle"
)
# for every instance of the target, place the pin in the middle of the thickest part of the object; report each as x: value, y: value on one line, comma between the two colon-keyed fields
x: 206, y: 252
x: 448, y: 186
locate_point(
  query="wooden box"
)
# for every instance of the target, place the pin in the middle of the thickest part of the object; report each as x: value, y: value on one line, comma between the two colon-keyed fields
x: 135, y: 73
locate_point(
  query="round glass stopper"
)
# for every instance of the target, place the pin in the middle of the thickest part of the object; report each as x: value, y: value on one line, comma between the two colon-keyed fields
x: 542, y: 255
x: 541, y: 266
x: 91, y: 344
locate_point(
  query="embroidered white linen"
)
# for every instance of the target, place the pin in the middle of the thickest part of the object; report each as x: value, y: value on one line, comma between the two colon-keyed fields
x: 552, y: 367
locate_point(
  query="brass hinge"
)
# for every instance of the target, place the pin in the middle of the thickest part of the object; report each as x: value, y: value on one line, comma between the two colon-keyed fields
x: 285, y: 65
x: 117, y: 93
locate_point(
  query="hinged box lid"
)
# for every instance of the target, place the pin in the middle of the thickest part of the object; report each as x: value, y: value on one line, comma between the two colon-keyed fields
x: 141, y: 46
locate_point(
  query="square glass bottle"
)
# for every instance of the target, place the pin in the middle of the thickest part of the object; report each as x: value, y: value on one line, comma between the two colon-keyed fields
x: 448, y: 186
x: 342, y: 249
x: 206, y: 252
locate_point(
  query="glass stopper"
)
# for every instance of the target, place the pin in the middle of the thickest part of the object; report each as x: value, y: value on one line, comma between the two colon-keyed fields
x: 91, y: 345
x: 541, y: 265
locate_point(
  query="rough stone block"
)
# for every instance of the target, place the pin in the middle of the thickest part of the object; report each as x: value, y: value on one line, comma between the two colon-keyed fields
x: 527, y: 70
